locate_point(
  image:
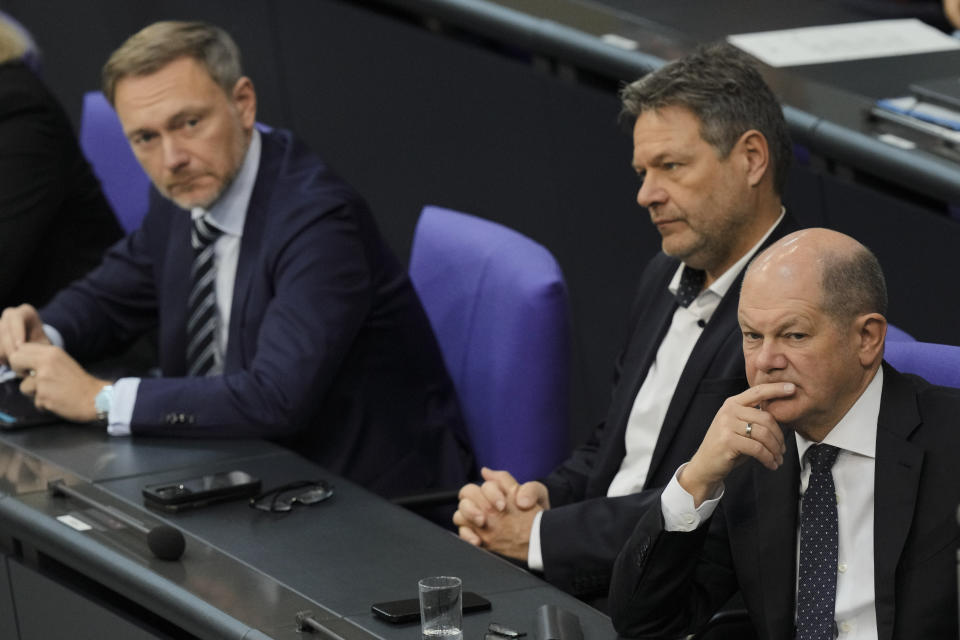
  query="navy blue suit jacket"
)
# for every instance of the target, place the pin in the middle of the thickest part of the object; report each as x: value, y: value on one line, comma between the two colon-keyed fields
x: 666, y: 584
x: 329, y: 350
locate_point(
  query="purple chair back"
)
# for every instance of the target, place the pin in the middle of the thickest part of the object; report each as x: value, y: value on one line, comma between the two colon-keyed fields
x: 897, y: 334
x: 936, y: 363
x: 124, y: 183
x: 497, y: 302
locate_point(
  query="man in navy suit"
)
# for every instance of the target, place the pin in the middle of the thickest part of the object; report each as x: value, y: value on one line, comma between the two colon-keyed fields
x: 281, y: 312
x: 827, y: 492
x: 712, y: 153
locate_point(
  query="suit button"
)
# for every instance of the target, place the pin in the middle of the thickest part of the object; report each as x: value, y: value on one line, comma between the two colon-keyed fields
x: 170, y: 418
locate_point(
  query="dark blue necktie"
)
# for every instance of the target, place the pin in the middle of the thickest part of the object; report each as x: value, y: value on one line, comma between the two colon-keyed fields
x: 202, y: 315
x: 691, y: 282
x: 817, y: 585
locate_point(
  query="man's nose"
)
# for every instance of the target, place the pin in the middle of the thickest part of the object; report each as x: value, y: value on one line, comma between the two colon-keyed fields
x: 174, y: 155
x: 770, y: 357
x: 650, y: 192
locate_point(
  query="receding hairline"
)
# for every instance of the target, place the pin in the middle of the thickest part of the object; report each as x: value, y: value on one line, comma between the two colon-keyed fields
x: 161, y: 43
x: 849, y: 278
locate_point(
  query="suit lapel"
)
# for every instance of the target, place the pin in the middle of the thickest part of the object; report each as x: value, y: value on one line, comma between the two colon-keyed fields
x: 898, y: 466
x: 777, y: 498
x: 722, y: 323
x: 250, y: 249
x: 647, y: 335
x: 175, y: 291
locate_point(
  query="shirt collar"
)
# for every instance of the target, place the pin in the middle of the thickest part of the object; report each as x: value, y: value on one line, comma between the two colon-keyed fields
x: 229, y: 212
x: 857, y: 430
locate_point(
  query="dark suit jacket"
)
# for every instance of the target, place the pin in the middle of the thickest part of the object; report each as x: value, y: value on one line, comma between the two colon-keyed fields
x: 668, y: 582
x: 55, y: 223
x: 329, y: 351
x: 583, y: 531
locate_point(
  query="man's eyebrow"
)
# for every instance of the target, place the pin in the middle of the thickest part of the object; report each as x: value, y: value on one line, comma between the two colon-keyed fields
x: 786, y: 323
x: 188, y: 112
x: 133, y: 133
x: 654, y: 161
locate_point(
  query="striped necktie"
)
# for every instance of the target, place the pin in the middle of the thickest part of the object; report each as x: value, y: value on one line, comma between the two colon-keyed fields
x: 203, y: 357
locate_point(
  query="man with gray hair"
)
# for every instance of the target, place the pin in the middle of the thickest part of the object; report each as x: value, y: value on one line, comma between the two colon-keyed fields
x: 826, y: 493
x: 711, y: 150
x: 281, y: 311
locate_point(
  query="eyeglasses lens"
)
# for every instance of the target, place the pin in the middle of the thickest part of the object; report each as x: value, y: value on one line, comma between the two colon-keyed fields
x: 283, y: 499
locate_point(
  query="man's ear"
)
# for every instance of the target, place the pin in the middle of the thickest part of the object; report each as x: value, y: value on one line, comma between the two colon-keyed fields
x: 871, y: 331
x: 756, y: 155
x: 245, y: 101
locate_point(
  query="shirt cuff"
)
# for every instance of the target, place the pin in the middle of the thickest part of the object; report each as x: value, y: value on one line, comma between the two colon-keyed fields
x: 53, y: 335
x: 121, y: 408
x: 679, y: 514
x: 534, y: 554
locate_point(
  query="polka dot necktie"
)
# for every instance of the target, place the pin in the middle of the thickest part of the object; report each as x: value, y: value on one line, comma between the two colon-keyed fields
x: 202, y: 319
x: 817, y: 586
x: 691, y: 282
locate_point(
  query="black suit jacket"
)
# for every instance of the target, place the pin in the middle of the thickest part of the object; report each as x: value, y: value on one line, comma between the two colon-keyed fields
x: 668, y: 583
x: 55, y: 223
x: 583, y: 531
x: 329, y: 350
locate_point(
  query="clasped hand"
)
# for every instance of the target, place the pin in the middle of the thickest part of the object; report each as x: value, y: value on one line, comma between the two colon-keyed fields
x: 56, y: 381
x: 499, y: 513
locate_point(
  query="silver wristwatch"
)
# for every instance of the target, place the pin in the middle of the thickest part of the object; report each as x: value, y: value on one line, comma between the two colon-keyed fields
x: 103, y: 402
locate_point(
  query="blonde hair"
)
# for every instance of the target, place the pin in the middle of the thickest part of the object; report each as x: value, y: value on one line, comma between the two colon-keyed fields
x: 160, y: 43
x: 14, y: 43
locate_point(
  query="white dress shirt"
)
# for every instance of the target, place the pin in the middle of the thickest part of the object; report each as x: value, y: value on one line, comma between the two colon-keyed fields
x: 228, y: 214
x: 652, y: 401
x: 853, y: 476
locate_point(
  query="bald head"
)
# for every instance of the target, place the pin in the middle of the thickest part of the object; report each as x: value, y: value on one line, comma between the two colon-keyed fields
x: 849, y: 276
x: 811, y: 311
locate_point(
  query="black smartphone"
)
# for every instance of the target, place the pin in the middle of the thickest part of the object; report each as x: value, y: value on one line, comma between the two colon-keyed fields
x: 397, y: 611
x: 191, y: 493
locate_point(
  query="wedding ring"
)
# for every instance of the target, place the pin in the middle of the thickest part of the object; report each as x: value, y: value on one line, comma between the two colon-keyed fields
x: 32, y: 373
x: 749, y: 430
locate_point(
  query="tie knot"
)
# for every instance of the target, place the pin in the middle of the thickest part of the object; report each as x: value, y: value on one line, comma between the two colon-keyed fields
x: 822, y: 456
x: 691, y: 282
x: 203, y: 233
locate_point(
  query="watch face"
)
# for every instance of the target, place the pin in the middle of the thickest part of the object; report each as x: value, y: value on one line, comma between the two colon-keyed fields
x: 103, y: 400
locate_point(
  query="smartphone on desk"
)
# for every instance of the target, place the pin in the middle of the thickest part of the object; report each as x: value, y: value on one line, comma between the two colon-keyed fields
x: 199, y: 491
x: 397, y: 611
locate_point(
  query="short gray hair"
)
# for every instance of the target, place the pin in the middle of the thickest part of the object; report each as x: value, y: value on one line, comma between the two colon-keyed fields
x: 852, y: 285
x: 720, y: 85
x: 159, y: 44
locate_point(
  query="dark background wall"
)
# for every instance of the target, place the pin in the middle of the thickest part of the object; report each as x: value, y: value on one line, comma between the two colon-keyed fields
x: 411, y: 116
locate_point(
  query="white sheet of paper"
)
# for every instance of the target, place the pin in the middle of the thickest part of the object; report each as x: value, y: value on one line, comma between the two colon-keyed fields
x: 833, y: 43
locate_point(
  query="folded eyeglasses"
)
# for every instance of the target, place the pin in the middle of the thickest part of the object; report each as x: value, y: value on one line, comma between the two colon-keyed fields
x: 282, y: 498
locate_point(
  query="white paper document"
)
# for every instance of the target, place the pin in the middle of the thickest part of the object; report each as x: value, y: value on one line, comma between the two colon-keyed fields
x: 834, y: 43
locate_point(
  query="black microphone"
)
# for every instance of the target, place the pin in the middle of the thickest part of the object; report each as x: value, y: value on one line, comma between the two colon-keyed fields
x: 164, y: 541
